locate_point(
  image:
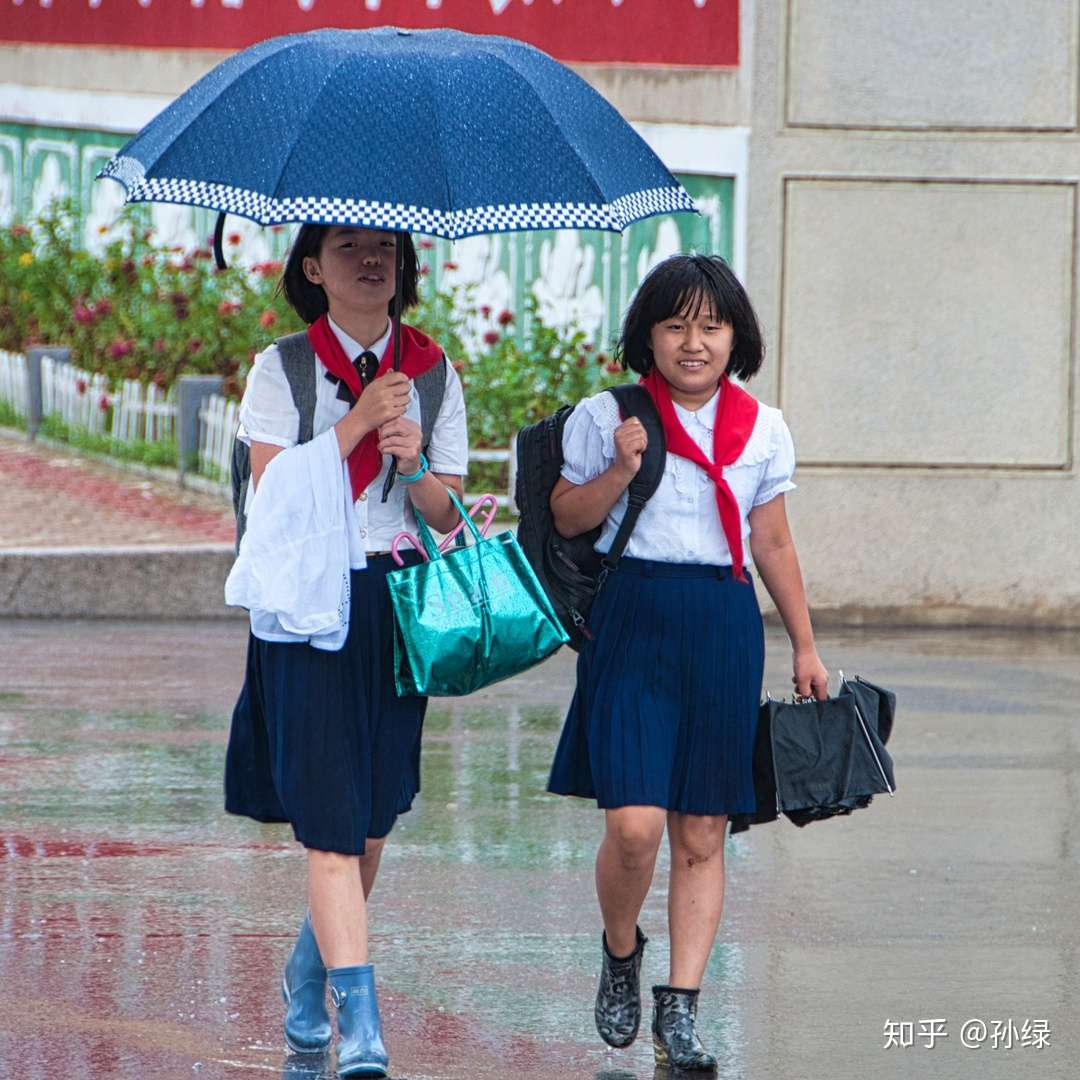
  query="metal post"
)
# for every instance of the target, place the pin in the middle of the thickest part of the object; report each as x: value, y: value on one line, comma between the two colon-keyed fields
x: 34, y: 398
x: 191, y: 394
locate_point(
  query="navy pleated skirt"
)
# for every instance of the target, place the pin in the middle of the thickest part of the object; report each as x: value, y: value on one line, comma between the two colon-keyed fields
x: 668, y: 690
x: 321, y: 739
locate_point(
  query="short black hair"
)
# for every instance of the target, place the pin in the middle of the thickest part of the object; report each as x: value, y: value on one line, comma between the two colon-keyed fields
x: 309, y: 300
x: 680, y: 285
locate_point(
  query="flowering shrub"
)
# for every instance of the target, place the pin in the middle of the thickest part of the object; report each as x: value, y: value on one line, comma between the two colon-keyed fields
x: 145, y: 311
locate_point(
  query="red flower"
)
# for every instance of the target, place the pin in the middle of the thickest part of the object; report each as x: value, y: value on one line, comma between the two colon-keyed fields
x: 459, y: 365
x: 103, y: 403
x: 427, y: 245
x: 267, y: 319
x: 449, y: 265
x: 19, y: 230
x: 491, y: 337
x: 506, y: 318
x: 80, y: 386
x: 160, y: 380
x: 159, y: 345
x: 194, y: 345
x: 228, y: 307
x: 235, y: 238
x: 82, y: 314
x: 187, y: 265
x: 485, y: 312
x: 268, y: 269
x: 588, y: 346
x: 202, y: 253
x: 613, y: 368
x: 102, y: 308
x: 120, y: 347
x: 580, y: 362
x: 148, y: 260
x: 425, y: 270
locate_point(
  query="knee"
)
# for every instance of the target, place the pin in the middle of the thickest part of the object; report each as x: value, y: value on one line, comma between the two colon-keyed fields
x: 331, y: 864
x: 699, y: 839
x: 635, y: 839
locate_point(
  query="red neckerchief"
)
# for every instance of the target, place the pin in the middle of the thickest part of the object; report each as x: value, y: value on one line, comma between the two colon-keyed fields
x: 418, y: 354
x: 736, y: 414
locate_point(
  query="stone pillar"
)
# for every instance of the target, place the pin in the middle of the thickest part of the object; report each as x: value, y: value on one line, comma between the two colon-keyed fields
x: 192, y: 392
x: 34, y: 399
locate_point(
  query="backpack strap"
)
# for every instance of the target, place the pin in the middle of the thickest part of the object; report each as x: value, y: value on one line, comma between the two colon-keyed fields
x: 634, y: 400
x: 299, y: 364
x: 430, y: 388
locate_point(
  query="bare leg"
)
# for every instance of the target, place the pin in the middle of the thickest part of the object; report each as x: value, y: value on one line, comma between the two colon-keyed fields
x: 369, y: 863
x: 624, y: 870
x: 696, y: 894
x: 338, y: 908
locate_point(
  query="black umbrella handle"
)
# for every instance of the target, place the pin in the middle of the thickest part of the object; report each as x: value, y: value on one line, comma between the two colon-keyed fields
x: 219, y: 232
x: 399, y: 278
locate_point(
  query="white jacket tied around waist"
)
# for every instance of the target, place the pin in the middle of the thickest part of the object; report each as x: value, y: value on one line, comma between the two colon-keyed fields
x: 302, y: 540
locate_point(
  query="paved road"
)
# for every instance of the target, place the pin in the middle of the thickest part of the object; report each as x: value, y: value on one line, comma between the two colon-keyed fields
x: 142, y: 932
x: 54, y: 498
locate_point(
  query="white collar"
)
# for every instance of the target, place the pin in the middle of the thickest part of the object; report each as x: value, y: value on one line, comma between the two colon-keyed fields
x: 353, y: 348
x: 704, y: 417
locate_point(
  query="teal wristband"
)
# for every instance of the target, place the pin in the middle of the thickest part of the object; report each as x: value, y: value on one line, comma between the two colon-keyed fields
x: 416, y: 475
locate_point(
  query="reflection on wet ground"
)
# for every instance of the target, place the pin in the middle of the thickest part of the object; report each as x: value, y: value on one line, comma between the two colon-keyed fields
x: 142, y: 931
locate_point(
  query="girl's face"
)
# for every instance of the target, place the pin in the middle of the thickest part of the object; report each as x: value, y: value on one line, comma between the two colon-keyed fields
x: 692, y: 353
x: 355, y: 267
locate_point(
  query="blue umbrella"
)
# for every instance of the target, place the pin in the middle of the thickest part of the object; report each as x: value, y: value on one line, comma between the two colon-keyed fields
x: 430, y: 131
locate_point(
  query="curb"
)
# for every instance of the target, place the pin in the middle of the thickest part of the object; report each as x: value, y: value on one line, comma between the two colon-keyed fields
x: 156, y: 581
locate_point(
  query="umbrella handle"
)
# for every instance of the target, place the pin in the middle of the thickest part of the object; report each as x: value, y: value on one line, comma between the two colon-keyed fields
x: 399, y: 279
x: 219, y: 233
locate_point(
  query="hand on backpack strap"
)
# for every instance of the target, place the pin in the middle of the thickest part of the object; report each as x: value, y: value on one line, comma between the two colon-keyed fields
x: 630, y: 444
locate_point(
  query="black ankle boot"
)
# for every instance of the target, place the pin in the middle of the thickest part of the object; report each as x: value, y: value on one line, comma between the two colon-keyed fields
x: 675, y: 1039
x: 618, y: 998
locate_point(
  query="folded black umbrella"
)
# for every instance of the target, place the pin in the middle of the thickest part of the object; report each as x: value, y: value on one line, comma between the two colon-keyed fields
x: 820, y: 759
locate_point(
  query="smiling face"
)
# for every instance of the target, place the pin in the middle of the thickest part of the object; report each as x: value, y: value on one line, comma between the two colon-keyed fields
x: 355, y: 268
x: 691, y: 351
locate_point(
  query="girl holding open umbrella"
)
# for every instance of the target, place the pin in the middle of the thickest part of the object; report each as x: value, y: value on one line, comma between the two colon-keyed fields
x: 319, y: 737
x: 661, y: 728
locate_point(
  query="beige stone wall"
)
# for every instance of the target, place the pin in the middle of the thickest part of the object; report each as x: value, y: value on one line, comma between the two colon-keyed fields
x: 685, y: 95
x: 913, y: 254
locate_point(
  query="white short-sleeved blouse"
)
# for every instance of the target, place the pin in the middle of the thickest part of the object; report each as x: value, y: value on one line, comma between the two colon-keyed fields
x: 267, y: 414
x: 681, y: 522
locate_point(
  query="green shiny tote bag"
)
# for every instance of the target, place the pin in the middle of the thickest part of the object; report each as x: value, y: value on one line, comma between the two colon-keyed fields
x: 468, y: 616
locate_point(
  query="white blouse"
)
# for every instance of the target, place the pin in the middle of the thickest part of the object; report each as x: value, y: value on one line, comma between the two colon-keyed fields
x: 267, y: 414
x: 681, y: 522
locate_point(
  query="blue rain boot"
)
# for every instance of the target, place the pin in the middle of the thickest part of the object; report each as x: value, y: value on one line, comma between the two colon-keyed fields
x: 360, y: 1050
x: 307, y: 1023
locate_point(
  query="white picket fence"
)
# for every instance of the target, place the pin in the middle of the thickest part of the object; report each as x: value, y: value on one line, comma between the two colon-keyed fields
x: 13, y: 384
x: 135, y: 412
x: 217, y: 427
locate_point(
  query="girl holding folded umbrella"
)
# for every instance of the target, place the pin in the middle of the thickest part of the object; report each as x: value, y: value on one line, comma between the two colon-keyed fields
x: 319, y: 737
x: 661, y: 729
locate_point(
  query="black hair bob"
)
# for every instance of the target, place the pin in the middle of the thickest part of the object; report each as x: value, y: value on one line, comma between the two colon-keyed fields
x: 681, y: 285
x: 309, y: 300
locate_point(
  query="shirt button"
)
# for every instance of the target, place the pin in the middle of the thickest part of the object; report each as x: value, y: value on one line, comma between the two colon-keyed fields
x: 363, y: 497
x: 363, y: 533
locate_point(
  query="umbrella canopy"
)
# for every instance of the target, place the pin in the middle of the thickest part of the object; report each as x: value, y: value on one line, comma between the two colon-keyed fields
x: 433, y: 131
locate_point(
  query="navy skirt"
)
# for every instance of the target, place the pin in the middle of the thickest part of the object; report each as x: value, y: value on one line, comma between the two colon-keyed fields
x: 320, y: 739
x: 668, y: 690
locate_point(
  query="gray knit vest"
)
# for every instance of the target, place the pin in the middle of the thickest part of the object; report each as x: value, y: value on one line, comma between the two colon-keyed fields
x: 301, y: 368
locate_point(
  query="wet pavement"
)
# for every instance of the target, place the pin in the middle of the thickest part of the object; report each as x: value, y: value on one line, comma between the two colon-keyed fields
x: 142, y: 931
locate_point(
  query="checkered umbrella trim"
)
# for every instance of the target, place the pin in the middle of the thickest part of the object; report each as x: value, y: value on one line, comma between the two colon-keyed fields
x: 449, y: 224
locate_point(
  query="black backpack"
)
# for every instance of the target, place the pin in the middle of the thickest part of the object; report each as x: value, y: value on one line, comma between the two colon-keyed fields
x: 571, y: 571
